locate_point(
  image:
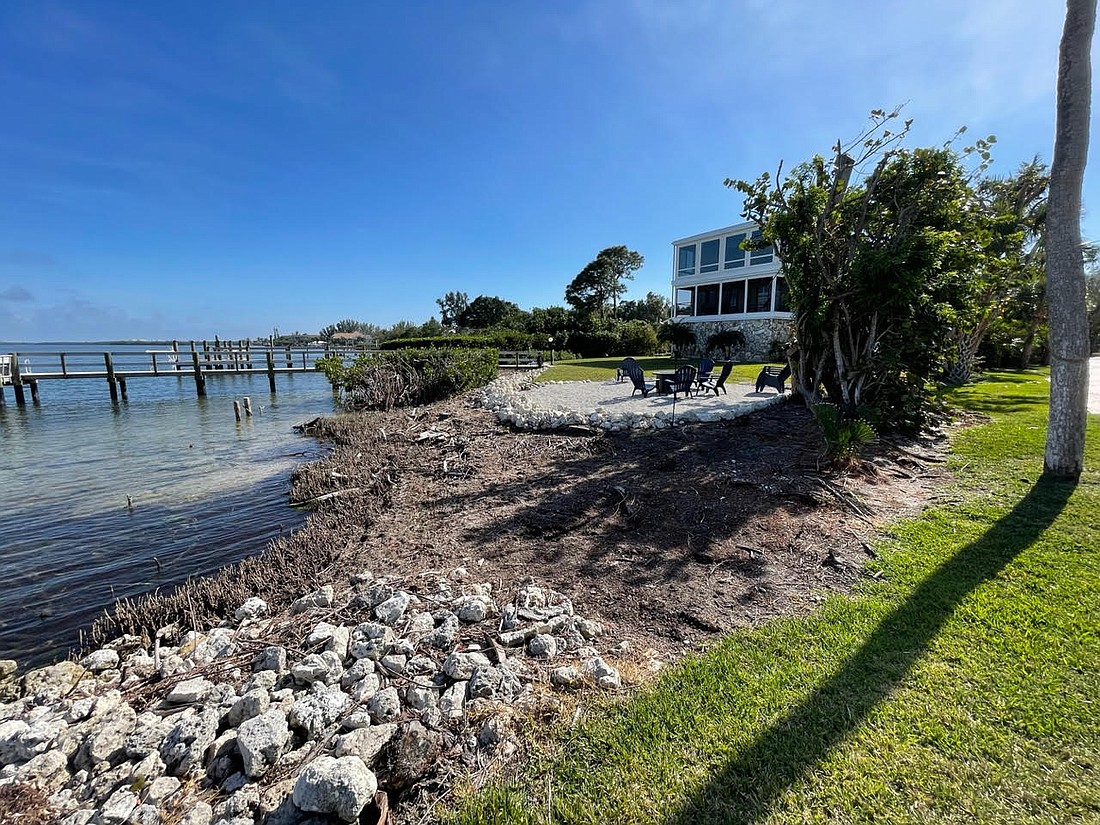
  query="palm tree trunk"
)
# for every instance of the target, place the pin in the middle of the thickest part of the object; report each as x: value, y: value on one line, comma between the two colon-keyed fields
x: 1069, y: 333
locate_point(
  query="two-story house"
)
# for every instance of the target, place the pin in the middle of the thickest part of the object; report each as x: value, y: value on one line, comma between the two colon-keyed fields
x: 718, y: 284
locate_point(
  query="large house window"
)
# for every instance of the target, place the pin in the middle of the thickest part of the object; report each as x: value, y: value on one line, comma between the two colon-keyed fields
x: 735, y: 255
x: 685, y: 301
x: 782, y: 296
x: 708, y: 256
x: 760, y: 256
x: 759, y: 295
x: 685, y: 263
x: 733, y: 297
x: 707, y: 300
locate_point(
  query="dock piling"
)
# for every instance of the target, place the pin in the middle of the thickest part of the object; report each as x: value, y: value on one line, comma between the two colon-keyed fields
x: 200, y: 380
x: 271, y: 370
x: 17, y: 381
x: 111, y: 376
x: 237, y: 410
x: 248, y: 406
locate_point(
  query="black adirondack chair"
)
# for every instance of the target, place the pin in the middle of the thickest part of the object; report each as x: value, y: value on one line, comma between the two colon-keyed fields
x: 706, y: 367
x: 621, y: 372
x: 720, y: 382
x: 683, y: 381
x: 637, y: 378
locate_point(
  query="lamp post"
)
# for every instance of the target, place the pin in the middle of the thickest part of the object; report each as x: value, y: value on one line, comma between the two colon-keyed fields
x: 550, y: 341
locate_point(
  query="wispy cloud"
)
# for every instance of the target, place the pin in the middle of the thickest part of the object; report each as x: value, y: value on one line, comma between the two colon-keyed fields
x: 17, y: 294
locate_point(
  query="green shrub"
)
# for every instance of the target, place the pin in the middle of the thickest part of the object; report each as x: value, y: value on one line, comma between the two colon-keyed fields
x: 844, y: 436
x: 636, y: 338
x: 408, y: 377
x: 439, y: 342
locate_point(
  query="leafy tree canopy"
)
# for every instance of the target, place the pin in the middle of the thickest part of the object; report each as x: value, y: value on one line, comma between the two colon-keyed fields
x: 880, y: 270
x: 486, y: 312
x: 451, y: 306
x: 346, y: 325
x: 602, y: 281
x: 654, y: 308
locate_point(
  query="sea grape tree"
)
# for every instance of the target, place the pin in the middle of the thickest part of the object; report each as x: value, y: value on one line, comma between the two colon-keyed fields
x: 880, y: 248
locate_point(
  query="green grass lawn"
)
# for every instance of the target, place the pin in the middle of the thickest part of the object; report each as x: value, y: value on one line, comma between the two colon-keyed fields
x: 961, y: 686
x: 601, y: 369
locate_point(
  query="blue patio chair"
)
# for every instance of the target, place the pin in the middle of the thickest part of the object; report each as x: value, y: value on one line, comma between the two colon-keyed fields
x: 706, y: 366
x: 637, y: 378
x: 720, y: 382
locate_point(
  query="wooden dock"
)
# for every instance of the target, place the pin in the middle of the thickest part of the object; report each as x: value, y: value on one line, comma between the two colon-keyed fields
x: 200, y: 360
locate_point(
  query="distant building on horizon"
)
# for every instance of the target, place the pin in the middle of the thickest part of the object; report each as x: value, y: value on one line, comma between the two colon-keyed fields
x: 717, y: 284
x: 348, y: 337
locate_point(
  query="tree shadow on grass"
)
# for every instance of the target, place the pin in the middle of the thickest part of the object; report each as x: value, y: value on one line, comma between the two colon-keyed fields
x: 745, y: 790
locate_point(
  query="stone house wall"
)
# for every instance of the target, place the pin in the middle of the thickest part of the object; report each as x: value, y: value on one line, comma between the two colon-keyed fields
x: 759, y: 337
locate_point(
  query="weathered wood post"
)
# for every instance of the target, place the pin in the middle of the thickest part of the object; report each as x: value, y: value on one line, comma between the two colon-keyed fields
x: 154, y: 354
x: 248, y: 406
x: 289, y: 358
x: 17, y: 381
x: 110, y: 376
x: 34, y: 391
x: 237, y: 410
x: 176, y: 353
x: 122, y: 387
x: 200, y: 379
x: 271, y: 370
x: 248, y: 354
x: 64, y: 370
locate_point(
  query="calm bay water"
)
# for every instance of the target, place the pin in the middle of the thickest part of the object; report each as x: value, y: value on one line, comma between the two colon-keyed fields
x: 205, y: 490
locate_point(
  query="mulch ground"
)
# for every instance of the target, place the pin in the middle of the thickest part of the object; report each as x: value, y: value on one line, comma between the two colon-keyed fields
x: 671, y: 537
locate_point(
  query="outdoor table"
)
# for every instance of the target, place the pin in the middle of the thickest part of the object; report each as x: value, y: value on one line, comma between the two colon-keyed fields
x: 663, y: 379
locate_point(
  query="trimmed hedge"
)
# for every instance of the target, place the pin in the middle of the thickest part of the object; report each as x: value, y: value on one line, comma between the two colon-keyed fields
x: 499, y: 338
x: 408, y: 377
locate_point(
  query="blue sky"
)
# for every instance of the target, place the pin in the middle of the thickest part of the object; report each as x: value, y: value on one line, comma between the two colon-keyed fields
x: 192, y: 169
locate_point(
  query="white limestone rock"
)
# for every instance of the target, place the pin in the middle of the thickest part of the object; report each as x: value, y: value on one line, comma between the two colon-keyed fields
x: 461, y: 665
x: 366, y: 743
x: 253, y: 608
x: 332, y: 637
x: 322, y: 597
x: 566, y: 676
x: 190, y: 691
x: 250, y: 705
x: 342, y: 786
x: 315, y: 713
x: 542, y: 646
x: 185, y: 746
x: 261, y: 741
x: 392, y: 609
x: 603, y: 674
x: 452, y: 704
x: 100, y: 660
x: 384, y: 706
x: 326, y: 668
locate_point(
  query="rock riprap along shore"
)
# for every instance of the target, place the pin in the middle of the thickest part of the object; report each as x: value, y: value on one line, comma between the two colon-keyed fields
x: 314, y: 715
